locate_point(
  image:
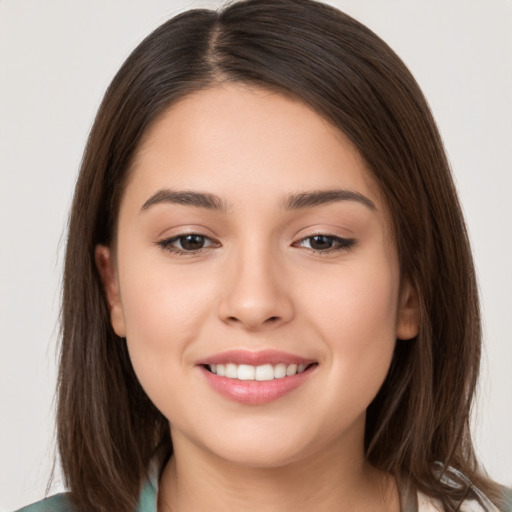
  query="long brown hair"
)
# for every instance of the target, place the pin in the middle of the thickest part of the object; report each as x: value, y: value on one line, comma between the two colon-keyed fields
x: 108, y: 429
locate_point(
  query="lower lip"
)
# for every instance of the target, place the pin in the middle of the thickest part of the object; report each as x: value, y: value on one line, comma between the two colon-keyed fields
x: 253, y: 392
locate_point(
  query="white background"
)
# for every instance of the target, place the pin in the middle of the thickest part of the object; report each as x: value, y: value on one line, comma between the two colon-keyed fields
x: 56, y: 59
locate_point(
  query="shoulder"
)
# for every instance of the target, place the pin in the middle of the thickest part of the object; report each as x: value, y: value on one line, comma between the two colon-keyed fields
x: 476, y: 503
x: 57, y: 503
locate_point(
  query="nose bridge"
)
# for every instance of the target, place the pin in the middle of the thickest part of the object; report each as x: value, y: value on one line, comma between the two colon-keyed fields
x: 255, y: 296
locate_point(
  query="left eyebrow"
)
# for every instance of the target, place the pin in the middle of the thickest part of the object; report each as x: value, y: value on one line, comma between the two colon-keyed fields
x: 323, y: 197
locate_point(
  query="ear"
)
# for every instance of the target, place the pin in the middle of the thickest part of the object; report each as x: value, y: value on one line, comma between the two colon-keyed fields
x: 408, y: 317
x: 108, y: 273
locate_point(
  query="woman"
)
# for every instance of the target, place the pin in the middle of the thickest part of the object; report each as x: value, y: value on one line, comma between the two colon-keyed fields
x: 269, y: 298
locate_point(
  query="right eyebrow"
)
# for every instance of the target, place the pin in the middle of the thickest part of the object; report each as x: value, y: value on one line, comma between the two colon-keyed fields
x: 187, y: 198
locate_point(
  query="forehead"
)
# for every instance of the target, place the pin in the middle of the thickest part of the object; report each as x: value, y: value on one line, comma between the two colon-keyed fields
x: 242, y: 143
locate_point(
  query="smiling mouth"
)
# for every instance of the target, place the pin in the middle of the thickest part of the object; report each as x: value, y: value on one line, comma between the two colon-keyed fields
x: 256, y: 378
x: 265, y: 372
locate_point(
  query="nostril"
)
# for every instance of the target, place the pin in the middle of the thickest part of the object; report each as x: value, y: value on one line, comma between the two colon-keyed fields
x: 271, y: 319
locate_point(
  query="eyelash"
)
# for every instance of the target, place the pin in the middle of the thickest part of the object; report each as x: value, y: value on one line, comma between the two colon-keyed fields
x: 339, y: 244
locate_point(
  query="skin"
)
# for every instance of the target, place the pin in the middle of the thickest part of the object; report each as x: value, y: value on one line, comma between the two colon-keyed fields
x: 258, y: 284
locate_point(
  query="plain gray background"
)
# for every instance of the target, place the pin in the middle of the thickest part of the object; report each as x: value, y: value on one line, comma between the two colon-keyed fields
x: 56, y: 59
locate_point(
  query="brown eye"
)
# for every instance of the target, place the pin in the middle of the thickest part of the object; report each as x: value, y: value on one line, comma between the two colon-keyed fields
x: 326, y: 243
x: 321, y: 242
x: 188, y: 243
x: 191, y: 242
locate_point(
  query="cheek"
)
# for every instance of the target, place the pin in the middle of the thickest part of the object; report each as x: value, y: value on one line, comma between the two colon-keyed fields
x: 162, y: 301
x: 164, y: 310
x: 355, y: 303
x: 357, y: 322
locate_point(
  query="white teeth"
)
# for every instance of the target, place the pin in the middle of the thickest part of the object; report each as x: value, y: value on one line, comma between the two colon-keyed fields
x: 279, y: 371
x: 259, y: 373
x: 231, y: 371
x: 291, y: 370
x: 264, y: 372
x: 246, y: 372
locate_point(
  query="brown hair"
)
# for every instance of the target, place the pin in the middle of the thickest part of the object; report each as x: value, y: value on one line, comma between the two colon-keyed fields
x: 107, y: 427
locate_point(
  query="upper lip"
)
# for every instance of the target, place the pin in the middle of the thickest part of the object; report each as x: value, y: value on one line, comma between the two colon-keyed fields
x: 254, y: 358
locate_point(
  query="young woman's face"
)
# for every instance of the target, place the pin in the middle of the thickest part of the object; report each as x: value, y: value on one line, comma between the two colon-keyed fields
x: 256, y: 279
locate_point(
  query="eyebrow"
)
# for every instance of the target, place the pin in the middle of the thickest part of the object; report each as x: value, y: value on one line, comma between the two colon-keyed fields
x: 292, y: 202
x: 187, y: 198
x: 323, y: 197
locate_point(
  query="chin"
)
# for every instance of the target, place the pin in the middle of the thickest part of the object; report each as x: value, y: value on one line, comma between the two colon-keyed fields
x: 256, y: 448
x: 270, y: 457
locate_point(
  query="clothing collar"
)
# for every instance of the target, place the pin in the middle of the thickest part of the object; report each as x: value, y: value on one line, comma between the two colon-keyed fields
x: 148, y: 498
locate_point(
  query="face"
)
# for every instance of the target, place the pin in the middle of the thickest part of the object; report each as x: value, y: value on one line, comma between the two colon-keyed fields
x: 255, y: 278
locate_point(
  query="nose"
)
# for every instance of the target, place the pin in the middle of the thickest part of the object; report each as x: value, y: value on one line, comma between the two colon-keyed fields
x: 255, y: 294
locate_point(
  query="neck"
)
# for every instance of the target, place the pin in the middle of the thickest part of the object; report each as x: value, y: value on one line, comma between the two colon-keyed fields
x: 335, y: 480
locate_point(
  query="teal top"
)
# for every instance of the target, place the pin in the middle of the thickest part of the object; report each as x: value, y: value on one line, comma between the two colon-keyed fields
x: 61, y: 503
